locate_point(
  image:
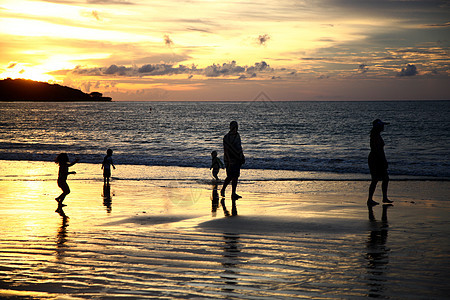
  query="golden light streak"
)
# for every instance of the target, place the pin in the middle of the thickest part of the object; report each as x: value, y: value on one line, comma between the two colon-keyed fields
x: 22, y: 27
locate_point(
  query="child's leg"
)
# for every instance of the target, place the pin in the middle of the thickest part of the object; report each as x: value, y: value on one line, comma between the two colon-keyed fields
x: 66, y: 191
x: 214, y: 173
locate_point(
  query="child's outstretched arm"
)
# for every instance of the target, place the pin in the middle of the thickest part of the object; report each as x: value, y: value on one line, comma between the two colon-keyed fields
x: 74, y: 162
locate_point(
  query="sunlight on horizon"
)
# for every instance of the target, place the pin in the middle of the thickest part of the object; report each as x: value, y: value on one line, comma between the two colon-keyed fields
x: 24, y: 72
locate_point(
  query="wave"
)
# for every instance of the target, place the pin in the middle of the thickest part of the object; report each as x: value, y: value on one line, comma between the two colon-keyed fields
x: 328, y: 165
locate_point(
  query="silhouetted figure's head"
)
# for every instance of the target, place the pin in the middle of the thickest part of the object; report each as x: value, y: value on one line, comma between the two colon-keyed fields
x: 62, y: 158
x: 233, y: 126
x: 214, y: 154
x: 109, y: 152
x: 378, y: 125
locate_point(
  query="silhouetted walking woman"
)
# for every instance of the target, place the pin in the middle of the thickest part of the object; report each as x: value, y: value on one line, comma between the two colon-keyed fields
x: 378, y: 164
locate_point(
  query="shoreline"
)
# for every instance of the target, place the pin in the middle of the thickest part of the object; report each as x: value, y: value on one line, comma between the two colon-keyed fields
x: 251, y: 174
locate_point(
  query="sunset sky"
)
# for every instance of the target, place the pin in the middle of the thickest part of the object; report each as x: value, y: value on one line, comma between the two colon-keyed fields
x: 231, y: 50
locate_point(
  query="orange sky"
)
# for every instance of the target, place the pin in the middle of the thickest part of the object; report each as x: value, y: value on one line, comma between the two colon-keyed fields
x: 231, y: 50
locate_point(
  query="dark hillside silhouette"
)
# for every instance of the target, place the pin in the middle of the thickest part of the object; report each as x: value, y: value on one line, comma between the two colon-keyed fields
x: 29, y: 90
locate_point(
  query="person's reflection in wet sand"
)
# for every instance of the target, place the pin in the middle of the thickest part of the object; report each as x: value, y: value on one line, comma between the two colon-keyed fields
x: 61, y: 236
x: 377, y: 253
x: 214, y: 200
x: 233, y: 208
x: 230, y: 261
x: 107, y: 199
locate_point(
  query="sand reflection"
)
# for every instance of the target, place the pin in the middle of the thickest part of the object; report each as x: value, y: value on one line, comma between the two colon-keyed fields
x: 231, y: 261
x: 233, y: 208
x: 215, y: 204
x: 107, y: 199
x: 214, y: 200
x: 61, y: 236
x: 377, y: 253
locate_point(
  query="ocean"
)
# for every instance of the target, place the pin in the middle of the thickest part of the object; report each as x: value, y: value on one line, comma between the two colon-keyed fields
x: 328, y: 137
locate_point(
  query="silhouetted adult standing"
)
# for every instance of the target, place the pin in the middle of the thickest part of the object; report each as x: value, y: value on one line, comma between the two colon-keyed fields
x: 234, y: 159
x: 378, y: 164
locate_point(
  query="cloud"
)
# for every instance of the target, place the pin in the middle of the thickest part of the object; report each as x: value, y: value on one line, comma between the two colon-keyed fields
x: 363, y: 68
x: 199, y: 30
x: 95, y: 15
x: 259, y: 67
x: 447, y: 24
x: 262, y: 39
x: 168, y: 41
x: 109, y: 2
x: 79, y: 2
x: 12, y: 65
x: 163, y: 69
x: 86, y: 86
x: 113, y: 69
x: 408, y: 70
x: 214, y: 70
x: 223, y: 70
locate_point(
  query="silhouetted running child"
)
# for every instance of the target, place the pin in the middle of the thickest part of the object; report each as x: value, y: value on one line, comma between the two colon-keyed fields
x: 216, y: 165
x: 106, y: 166
x: 63, y: 160
x: 378, y: 164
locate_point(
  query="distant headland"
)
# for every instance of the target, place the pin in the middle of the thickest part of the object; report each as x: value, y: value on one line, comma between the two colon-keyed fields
x: 29, y: 90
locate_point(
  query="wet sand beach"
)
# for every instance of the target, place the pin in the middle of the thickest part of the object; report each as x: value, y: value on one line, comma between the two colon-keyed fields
x: 173, y: 237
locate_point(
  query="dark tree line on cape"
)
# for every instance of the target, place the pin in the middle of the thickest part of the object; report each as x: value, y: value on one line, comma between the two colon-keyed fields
x: 29, y: 90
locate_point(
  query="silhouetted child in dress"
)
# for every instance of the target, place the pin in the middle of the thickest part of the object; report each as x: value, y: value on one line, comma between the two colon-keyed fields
x: 106, y: 166
x: 63, y: 160
x: 216, y: 165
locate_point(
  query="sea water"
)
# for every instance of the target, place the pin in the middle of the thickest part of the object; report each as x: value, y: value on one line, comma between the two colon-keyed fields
x: 331, y: 137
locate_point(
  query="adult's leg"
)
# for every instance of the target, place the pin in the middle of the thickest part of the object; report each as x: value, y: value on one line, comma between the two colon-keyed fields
x: 372, y: 187
x: 234, y: 182
x: 384, y: 188
x: 225, y: 184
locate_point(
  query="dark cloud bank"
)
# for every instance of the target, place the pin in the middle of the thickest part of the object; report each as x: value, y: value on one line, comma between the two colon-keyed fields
x: 215, y: 70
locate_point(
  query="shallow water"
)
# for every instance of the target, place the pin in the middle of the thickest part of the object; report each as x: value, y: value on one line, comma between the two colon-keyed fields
x: 142, y: 240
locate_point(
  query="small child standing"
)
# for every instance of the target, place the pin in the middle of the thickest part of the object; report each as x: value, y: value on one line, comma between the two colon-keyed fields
x: 63, y: 160
x: 216, y: 165
x: 106, y: 166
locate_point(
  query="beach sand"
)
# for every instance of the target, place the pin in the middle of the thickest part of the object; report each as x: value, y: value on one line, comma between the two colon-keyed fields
x: 172, y: 236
